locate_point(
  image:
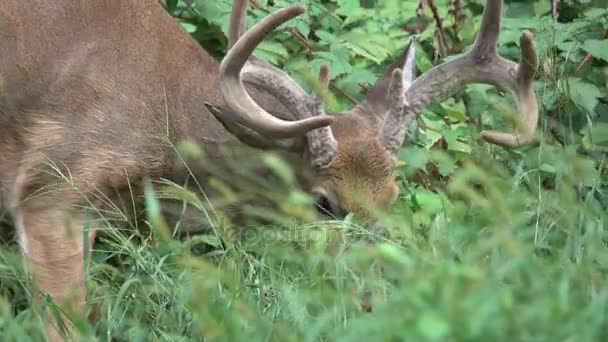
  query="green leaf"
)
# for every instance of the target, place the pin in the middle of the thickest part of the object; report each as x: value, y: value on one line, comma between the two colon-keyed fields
x: 338, y: 66
x: 211, y: 240
x: 280, y: 168
x: 454, y: 110
x: 326, y: 37
x: 430, y: 202
x: 171, y: 5
x: 585, y: 95
x: 271, y: 51
x: 414, y: 156
x: 597, y: 48
x: 451, y: 137
x: 432, y: 326
x: 596, y: 135
x: 188, y: 27
x: 548, y: 168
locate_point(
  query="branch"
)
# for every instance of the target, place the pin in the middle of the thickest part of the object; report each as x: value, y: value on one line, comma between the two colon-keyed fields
x: 443, y: 46
x: 554, y: 13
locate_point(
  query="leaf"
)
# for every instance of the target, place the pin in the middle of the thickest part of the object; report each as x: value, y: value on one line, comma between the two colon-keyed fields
x: 171, y: 5
x: 326, y: 37
x: 451, y: 137
x: 585, y: 95
x: 414, y: 156
x: 280, y: 168
x: 211, y: 240
x: 188, y: 27
x: 432, y: 326
x: 596, y: 135
x: 271, y: 51
x: 361, y: 77
x: 338, y: 66
x: 547, y: 168
x: 430, y: 202
x: 597, y: 48
x: 347, y: 6
x: 454, y: 110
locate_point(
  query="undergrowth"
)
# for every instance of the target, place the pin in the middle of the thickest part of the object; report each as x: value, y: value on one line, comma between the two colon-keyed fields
x: 483, y: 244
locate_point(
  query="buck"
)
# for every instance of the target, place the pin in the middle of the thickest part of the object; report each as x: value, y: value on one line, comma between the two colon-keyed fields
x: 88, y: 87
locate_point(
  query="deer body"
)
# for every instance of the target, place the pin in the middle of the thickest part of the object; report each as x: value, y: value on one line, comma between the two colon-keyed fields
x: 94, y: 95
x: 102, y: 96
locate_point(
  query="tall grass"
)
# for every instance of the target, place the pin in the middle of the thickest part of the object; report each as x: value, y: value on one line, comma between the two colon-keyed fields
x: 512, y: 246
x: 509, y: 254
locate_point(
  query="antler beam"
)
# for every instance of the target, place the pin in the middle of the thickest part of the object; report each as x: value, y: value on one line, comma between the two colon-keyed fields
x: 246, y: 111
x: 480, y: 65
x: 306, y: 108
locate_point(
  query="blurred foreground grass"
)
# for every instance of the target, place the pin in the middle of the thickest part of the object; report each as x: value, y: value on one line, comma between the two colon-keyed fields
x: 503, y: 251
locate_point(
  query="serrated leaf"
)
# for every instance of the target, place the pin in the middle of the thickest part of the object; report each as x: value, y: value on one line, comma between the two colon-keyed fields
x: 326, y: 37
x: 454, y: 110
x: 446, y: 166
x: 361, y: 77
x: 451, y: 138
x: 414, y: 156
x: 585, y: 95
x: 597, y: 48
x: 338, y: 66
x: 596, y: 135
x: 430, y: 202
x: 271, y: 51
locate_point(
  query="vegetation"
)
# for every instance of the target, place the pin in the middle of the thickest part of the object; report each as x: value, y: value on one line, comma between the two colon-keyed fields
x: 484, y: 243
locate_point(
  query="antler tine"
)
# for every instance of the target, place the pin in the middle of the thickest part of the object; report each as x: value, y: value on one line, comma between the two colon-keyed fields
x: 246, y: 111
x: 398, y: 118
x: 526, y: 98
x: 487, y: 38
x: 238, y: 21
x: 324, y: 77
x: 482, y: 64
x: 321, y: 142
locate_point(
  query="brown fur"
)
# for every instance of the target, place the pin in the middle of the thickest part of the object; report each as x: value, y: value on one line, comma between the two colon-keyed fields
x: 360, y: 176
x: 92, y: 97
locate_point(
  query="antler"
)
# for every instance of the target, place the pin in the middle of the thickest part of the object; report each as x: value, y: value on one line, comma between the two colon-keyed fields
x: 398, y: 117
x: 239, y: 66
x: 480, y: 65
x: 245, y: 110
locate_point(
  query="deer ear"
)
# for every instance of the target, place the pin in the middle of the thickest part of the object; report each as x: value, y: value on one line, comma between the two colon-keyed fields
x: 250, y: 137
x: 377, y: 98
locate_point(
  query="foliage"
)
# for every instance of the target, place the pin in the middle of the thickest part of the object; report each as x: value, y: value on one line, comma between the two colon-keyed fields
x: 484, y: 243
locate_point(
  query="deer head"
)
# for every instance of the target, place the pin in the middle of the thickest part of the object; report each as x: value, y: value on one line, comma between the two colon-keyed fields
x: 352, y: 154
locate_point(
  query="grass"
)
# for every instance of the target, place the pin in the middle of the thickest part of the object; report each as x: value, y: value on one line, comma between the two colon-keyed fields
x: 504, y: 257
x: 512, y: 246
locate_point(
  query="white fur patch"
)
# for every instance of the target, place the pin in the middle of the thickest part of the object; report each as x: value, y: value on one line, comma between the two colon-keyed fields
x: 14, y: 205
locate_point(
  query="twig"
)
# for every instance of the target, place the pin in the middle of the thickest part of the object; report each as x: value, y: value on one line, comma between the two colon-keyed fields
x: 189, y: 4
x: 307, y: 44
x: 458, y: 14
x: 309, y: 47
x: 553, y: 128
x: 345, y: 94
x: 256, y: 4
x: 554, y: 13
x: 588, y: 59
x: 443, y: 46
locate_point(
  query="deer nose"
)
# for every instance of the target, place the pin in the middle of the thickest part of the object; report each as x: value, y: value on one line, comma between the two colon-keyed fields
x: 328, y: 208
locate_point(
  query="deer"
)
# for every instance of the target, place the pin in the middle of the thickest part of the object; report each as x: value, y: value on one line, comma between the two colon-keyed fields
x: 88, y: 87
